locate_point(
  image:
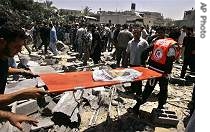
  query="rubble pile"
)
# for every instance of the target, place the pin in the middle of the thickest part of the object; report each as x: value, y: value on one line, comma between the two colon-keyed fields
x: 96, y: 109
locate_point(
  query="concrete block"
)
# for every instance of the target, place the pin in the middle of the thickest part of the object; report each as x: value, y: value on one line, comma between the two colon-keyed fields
x: 164, y: 117
x: 27, y: 108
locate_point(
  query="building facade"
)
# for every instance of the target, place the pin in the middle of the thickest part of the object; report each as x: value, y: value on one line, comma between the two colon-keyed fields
x: 126, y: 17
x: 188, y: 19
x: 152, y: 18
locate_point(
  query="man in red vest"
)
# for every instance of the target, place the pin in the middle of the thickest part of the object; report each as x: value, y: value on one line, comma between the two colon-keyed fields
x: 164, y: 52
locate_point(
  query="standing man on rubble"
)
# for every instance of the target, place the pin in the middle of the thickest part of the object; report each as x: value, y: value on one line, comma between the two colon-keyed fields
x: 134, y: 51
x: 163, y: 53
x: 123, y: 38
x: 80, y: 39
x: 53, y: 39
x: 189, y: 52
x: 87, y: 44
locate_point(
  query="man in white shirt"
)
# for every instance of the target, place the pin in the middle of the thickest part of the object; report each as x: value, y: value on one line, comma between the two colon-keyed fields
x: 134, y: 51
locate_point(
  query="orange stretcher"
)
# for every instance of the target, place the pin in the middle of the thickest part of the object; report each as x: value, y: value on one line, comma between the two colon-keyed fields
x: 61, y: 82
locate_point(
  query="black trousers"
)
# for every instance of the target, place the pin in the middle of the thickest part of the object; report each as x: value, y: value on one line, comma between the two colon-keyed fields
x: 149, y: 87
x: 188, y: 61
x: 46, y: 44
x: 120, y: 54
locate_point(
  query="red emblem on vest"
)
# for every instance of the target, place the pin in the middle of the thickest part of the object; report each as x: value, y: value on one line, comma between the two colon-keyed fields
x: 160, y: 51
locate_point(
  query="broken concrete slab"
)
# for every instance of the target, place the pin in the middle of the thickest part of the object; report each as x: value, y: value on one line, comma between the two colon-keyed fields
x: 68, y: 102
x: 88, y: 94
x: 27, y: 108
x: 42, y: 70
x: 165, y: 117
x: 10, y: 88
x: 92, y: 99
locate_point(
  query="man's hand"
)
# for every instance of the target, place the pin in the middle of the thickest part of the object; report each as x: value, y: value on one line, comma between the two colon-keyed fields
x: 30, y: 93
x: 21, y: 71
x: 17, y: 119
x: 28, y: 73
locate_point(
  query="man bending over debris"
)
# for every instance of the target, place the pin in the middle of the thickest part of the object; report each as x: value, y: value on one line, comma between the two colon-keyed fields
x: 11, y: 41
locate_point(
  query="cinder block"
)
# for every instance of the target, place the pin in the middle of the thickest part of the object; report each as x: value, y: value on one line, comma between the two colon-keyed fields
x: 164, y: 117
x: 27, y: 108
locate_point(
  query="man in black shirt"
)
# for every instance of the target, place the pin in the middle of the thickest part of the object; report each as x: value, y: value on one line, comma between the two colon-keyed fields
x: 45, y: 36
x: 12, y: 39
x: 3, y: 74
x: 189, y: 52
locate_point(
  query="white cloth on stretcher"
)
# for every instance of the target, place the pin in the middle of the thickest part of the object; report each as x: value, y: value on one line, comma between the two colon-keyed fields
x: 124, y: 75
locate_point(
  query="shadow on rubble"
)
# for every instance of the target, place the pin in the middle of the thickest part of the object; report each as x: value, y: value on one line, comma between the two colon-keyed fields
x: 126, y: 123
x: 152, y: 98
x: 62, y: 119
x: 187, y: 81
